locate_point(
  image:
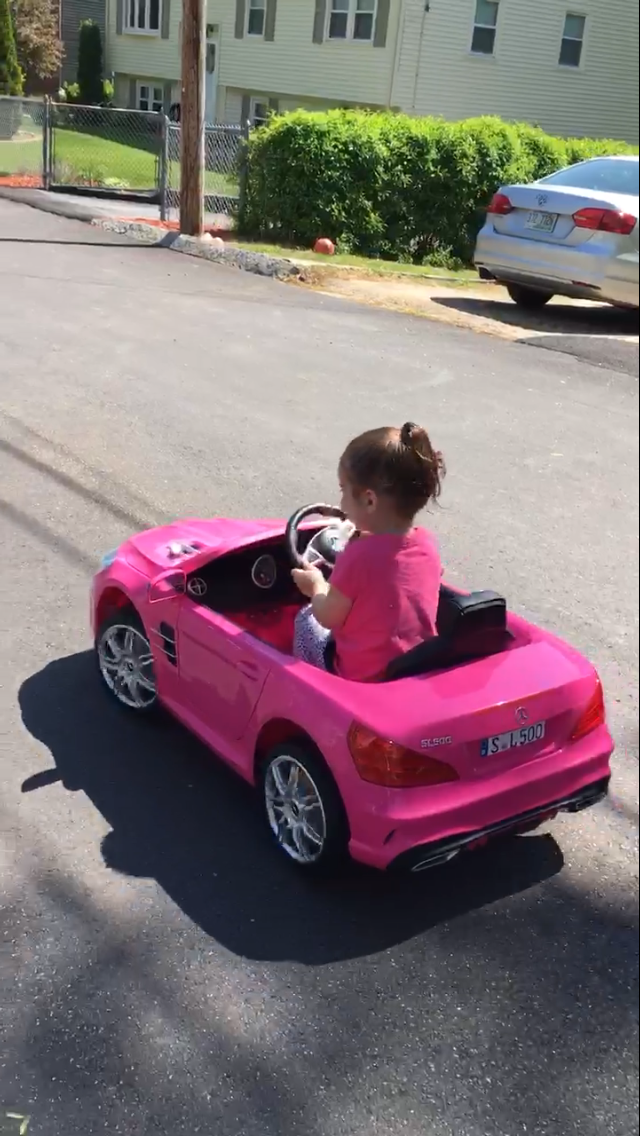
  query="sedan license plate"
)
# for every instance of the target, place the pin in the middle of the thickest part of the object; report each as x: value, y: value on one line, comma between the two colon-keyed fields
x: 541, y: 222
x: 524, y: 736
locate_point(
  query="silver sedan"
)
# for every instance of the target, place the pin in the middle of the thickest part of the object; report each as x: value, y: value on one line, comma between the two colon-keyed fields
x: 574, y: 233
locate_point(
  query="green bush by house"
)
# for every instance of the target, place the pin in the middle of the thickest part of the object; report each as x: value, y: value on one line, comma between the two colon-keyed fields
x: 90, y: 64
x: 389, y: 185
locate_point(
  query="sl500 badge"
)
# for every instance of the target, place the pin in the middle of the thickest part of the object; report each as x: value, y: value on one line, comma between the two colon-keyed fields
x: 431, y: 743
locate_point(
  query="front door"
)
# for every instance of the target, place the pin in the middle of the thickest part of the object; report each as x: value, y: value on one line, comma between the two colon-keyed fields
x: 211, y: 82
x: 221, y: 674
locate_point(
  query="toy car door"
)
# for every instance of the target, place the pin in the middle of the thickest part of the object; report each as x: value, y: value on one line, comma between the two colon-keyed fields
x: 221, y: 675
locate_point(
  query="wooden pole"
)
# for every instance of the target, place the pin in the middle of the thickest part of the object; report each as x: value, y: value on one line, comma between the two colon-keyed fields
x: 194, y: 41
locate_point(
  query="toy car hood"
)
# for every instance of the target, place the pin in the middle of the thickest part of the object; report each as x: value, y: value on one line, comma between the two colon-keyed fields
x: 186, y: 544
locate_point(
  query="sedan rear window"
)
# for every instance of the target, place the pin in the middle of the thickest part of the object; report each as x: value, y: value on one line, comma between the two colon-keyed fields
x: 602, y: 174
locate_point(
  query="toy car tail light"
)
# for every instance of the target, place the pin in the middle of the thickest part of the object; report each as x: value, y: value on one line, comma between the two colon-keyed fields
x: 383, y: 762
x: 605, y: 221
x: 592, y: 717
x: 500, y: 205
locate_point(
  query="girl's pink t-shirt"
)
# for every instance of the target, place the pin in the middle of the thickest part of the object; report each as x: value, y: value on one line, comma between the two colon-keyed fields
x: 393, y: 582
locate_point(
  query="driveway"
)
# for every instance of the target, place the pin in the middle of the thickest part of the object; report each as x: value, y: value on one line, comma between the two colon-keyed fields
x: 597, y: 333
x: 162, y: 973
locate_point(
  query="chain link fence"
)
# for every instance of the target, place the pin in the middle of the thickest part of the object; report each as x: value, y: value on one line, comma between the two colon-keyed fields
x: 223, y: 149
x: 119, y: 152
x: 105, y: 148
x: 22, y: 142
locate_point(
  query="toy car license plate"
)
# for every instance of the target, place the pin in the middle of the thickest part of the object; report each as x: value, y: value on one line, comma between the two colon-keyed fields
x: 542, y: 222
x: 524, y: 736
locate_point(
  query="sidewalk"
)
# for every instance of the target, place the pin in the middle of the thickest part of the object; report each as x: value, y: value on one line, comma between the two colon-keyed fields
x: 86, y: 208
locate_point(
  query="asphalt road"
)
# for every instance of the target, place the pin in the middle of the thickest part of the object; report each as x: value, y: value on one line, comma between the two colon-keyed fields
x: 162, y: 972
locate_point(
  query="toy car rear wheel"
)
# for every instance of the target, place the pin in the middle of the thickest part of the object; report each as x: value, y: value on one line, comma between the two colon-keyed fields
x: 125, y: 662
x: 304, y: 809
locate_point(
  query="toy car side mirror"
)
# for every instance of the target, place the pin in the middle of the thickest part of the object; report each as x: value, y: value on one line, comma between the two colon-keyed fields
x: 167, y: 586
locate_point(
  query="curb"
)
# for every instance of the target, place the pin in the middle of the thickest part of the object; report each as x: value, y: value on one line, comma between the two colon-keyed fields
x: 258, y: 263
x: 46, y: 202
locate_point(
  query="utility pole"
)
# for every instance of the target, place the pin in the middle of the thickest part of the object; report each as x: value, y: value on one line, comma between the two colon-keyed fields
x: 194, y: 41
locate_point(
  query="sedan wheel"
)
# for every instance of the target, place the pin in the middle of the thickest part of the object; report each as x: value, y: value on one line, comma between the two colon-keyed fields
x: 528, y: 298
x: 126, y: 663
x: 304, y: 809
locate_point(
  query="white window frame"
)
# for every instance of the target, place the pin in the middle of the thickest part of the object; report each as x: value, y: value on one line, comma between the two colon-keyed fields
x: 571, y: 39
x: 153, y: 88
x: 351, y: 24
x: 256, y: 6
x: 477, y: 26
x: 258, y: 101
x: 131, y: 28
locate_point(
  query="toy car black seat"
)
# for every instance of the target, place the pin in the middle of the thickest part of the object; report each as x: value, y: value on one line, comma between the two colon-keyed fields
x: 469, y: 627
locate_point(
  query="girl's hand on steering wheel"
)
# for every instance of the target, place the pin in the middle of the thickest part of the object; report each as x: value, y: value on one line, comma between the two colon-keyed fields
x: 310, y: 581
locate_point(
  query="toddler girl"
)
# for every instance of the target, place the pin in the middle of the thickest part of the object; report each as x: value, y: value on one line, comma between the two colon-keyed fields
x: 383, y: 596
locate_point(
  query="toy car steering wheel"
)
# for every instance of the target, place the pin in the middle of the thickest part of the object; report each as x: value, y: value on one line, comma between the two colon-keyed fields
x: 325, y: 545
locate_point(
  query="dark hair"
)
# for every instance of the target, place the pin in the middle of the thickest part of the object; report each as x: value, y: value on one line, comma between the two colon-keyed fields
x: 396, y: 462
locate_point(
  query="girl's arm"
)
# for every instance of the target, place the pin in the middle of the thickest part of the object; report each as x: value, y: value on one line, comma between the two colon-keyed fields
x: 329, y: 605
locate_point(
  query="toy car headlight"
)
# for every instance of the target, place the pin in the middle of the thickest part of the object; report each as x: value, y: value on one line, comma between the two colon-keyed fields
x: 108, y: 559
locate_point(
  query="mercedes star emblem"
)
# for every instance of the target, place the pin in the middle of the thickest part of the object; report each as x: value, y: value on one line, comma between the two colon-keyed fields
x: 197, y: 588
x: 522, y: 715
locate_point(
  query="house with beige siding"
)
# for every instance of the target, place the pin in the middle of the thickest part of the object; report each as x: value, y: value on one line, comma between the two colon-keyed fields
x: 569, y: 66
x: 72, y: 14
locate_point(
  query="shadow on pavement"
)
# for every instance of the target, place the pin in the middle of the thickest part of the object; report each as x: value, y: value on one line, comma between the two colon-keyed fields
x: 181, y: 818
x: 559, y: 317
x: 123, y: 242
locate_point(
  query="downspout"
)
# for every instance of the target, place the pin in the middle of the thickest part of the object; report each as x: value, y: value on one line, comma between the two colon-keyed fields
x: 396, y: 54
x: 425, y: 12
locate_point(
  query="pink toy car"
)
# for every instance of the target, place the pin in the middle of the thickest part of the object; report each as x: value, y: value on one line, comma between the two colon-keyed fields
x: 492, y: 727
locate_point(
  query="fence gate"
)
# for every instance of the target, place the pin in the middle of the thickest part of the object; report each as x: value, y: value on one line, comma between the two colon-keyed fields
x: 102, y: 148
x: 223, y: 147
x: 23, y: 142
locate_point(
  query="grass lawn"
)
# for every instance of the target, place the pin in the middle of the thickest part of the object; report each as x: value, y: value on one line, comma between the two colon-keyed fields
x: 88, y: 159
x: 360, y: 263
x: 20, y: 158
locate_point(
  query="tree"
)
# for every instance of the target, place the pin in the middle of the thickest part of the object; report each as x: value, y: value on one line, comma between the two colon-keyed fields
x: 37, y: 40
x: 90, y: 78
x: 10, y: 73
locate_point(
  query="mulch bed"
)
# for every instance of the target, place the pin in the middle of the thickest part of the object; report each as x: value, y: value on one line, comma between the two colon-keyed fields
x: 22, y: 181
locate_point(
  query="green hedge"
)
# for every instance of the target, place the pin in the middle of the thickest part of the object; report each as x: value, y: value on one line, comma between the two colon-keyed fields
x: 388, y: 185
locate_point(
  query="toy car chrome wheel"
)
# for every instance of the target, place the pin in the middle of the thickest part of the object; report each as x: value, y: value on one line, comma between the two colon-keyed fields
x: 126, y: 663
x: 304, y: 809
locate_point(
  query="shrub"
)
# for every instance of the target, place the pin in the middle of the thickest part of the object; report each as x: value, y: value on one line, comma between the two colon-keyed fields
x: 11, y: 78
x: 389, y: 185
x: 90, y: 78
x: 70, y: 93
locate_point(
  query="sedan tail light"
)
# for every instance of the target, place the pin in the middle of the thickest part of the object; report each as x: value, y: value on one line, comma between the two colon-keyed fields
x: 593, y: 716
x: 605, y: 221
x: 500, y: 205
x: 383, y: 762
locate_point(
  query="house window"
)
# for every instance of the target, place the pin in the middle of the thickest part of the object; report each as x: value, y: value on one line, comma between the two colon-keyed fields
x: 256, y: 17
x: 572, y: 40
x: 352, y: 19
x: 142, y: 16
x: 150, y: 98
x: 484, y: 27
x: 259, y: 112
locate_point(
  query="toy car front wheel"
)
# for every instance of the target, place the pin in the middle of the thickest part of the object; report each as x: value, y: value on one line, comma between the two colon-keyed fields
x: 304, y: 808
x: 125, y: 662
